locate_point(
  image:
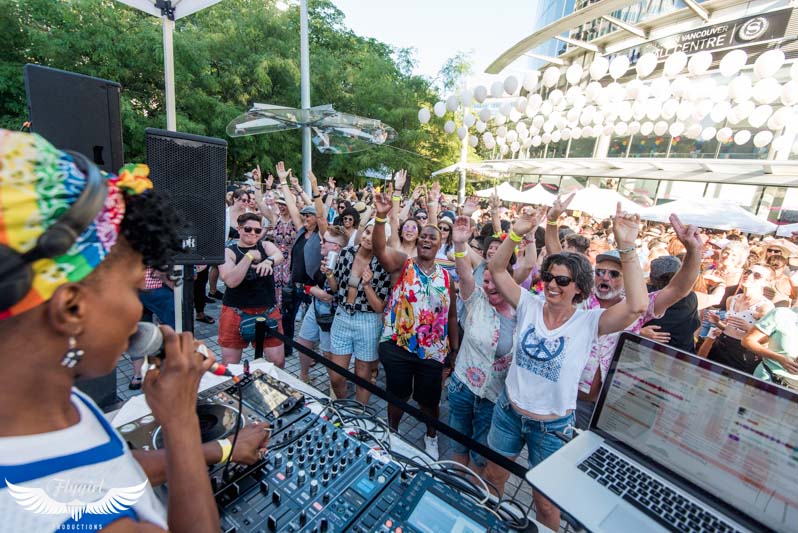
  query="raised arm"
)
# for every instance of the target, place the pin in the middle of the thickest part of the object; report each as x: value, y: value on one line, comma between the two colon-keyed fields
x: 498, y: 265
x: 460, y: 234
x: 321, y: 214
x: 263, y: 206
x: 391, y: 259
x: 626, y: 227
x: 433, y: 203
x: 527, y: 260
x: 495, y: 213
x: 683, y: 281
x: 553, y: 244
x: 396, y: 199
x: 290, y: 201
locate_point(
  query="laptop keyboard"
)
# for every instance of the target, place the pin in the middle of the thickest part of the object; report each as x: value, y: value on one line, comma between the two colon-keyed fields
x: 664, y: 505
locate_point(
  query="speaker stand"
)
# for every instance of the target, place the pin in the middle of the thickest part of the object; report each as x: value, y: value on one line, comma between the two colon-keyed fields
x: 184, y: 298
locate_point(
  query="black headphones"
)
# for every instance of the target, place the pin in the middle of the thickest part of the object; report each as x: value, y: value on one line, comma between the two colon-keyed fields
x: 16, y: 271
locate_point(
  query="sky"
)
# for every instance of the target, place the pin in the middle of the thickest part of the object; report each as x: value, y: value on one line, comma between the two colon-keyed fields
x: 438, y: 29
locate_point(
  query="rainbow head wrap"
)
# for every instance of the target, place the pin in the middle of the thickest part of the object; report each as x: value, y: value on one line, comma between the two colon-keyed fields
x: 38, y: 183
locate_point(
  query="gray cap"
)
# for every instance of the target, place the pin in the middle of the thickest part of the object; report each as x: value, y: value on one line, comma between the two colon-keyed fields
x: 308, y: 210
x: 612, y: 255
x: 661, y: 266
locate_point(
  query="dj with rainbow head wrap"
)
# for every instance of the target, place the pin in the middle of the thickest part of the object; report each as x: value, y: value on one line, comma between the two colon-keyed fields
x: 74, y: 245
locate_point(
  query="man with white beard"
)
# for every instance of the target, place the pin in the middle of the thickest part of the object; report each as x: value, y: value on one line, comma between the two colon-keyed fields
x: 608, y: 291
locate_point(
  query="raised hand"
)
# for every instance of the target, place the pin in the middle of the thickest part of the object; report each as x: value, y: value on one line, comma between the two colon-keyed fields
x: 434, y: 193
x: 539, y: 215
x: 295, y: 184
x: 269, y: 181
x: 418, y: 191
x: 688, y: 235
x: 527, y: 220
x: 282, y: 173
x: 625, y: 227
x: 399, y: 179
x: 314, y: 183
x: 559, y: 206
x: 331, y: 184
x: 256, y: 175
x: 471, y: 204
x: 495, y: 201
x: 461, y: 231
x: 382, y: 204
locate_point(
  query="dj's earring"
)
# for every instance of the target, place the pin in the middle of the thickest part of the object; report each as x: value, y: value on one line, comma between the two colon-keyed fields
x: 73, y: 355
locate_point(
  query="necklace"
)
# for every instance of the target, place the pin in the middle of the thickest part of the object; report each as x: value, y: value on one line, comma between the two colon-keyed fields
x: 426, y: 271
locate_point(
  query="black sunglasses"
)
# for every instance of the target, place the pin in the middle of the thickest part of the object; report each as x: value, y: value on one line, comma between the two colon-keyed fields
x: 421, y: 217
x: 349, y: 218
x: 757, y: 275
x: 614, y: 274
x: 562, y: 281
x: 773, y: 251
x: 250, y: 229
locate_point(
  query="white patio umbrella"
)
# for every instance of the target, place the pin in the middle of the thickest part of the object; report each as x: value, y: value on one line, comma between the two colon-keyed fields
x: 710, y: 213
x: 787, y: 230
x: 601, y: 203
x: 506, y: 192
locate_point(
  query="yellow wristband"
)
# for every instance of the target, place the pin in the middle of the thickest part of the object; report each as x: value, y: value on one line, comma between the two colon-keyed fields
x: 515, y: 237
x: 379, y: 220
x: 551, y: 222
x: 227, y: 449
x: 251, y: 257
x: 460, y: 254
x: 396, y: 198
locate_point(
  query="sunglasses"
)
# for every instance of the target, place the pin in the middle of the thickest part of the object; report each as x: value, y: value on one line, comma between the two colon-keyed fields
x: 328, y: 241
x: 421, y: 217
x: 562, y: 281
x: 774, y: 251
x: 250, y: 229
x: 447, y: 229
x: 352, y: 219
x: 342, y: 207
x: 614, y: 274
x: 757, y: 275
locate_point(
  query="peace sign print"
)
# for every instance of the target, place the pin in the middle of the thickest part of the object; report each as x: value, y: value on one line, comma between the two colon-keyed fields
x: 540, y: 355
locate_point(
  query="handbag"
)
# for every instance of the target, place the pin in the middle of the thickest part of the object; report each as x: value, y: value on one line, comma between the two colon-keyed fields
x: 324, y: 314
x: 248, y: 322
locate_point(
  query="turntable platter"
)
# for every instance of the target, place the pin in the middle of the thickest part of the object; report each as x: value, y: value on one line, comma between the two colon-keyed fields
x: 215, y: 422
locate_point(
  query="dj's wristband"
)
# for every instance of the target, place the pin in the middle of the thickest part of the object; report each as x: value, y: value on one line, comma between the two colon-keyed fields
x: 227, y: 449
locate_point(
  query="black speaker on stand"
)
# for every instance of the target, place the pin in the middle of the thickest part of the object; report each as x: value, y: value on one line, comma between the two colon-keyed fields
x: 193, y: 170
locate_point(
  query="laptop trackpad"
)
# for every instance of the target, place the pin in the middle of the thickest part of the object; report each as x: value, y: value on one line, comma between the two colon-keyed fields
x: 623, y: 518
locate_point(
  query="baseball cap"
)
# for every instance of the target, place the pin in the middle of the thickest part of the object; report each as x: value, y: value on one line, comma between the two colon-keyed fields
x: 308, y: 210
x: 612, y: 255
x: 661, y: 266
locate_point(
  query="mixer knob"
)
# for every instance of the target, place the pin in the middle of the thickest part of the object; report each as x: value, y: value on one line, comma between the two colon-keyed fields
x: 301, y: 459
x: 325, y: 498
x: 319, y: 445
x: 322, y: 460
x: 368, y: 458
x: 334, y: 470
x: 343, y: 462
x: 324, y: 429
x: 290, y: 451
x: 308, y: 437
x: 325, y: 478
x: 314, y: 487
x: 313, y: 468
x: 358, y: 451
x: 331, y: 452
x: 278, y: 459
x: 346, y: 443
x: 300, y: 477
x: 372, y: 471
x: 303, y: 517
x: 324, y: 525
x: 279, y: 422
x: 289, y: 468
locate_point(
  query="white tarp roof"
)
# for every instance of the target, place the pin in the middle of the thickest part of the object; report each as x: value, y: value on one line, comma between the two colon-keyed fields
x: 506, y: 192
x: 710, y: 213
x: 601, y: 203
x: 787, y: 230
x: 538, y: 195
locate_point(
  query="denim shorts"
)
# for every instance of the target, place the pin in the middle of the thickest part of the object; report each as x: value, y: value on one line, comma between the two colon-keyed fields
x: 470, y: 415
x: 510, y: 430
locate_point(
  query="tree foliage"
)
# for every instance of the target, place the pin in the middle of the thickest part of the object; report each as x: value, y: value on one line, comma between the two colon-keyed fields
x: 227, y: 57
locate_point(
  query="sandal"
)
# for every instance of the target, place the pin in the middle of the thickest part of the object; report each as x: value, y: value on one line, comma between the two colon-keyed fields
x: 135, y: 383
x: 205, y: 319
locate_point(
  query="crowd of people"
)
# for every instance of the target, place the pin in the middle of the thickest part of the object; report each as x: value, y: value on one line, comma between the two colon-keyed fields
x: 515, y: 310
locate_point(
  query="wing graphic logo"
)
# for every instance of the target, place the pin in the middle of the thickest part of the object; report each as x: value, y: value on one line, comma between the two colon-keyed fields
x: 115, y: 501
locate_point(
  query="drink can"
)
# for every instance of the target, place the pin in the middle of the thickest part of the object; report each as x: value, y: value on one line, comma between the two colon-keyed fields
x: 332, y: 258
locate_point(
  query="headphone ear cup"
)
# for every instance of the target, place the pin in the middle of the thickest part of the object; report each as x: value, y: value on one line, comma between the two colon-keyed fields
x: 56, y: 241
x: 17, y: 279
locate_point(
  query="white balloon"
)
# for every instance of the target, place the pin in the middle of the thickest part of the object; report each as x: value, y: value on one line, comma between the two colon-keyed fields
x: 546, y: 138
x: 501, y: 131
x: 740, y: 88
x: 724, y: 135
x: 546, y: 108
x: 499, y: 119
x: 489, y: 144
x: 480, y: 126
x: 587, y: 131
x: 536, y: 140
x: 526, y: 144
x: 576, y: 133
x: 514, y: 147
x: 634, y: 127
x: 720, y: 94
x: 566, y: 134
x: 621, y: 128
x: 661, y: 88
x: 466, y: 97
x: 505, y: 108
x: 556, y: 96
x: 643, y: 93
x: 782, y: 117
x: 488, y: 136
x: 497, y: 89
x: 504, y: 149
x: 708, y: 133
x: 693, y: 132
x: 685, y: 111
x: 451, y: 103
x: 480, y: 93
x: 618, y: 66
x: 675, y: 63
x: 606, y: 130
x: 676, y: 129
x: 700, y: 89
x: 660, y: 128
x: 598, y: 118
x: 593, y: 90
x: 680, y: 86
x: 742, y: 137
x: 572, y: 93
x: 423, y: 115
x: 653, y: 109
x: 732, y: 62
x: 573, y: 115
x: 439, y: 109
x: 701, y: 109
x: 760, y: 115
x: 763, y: 138
x: 646, y: 64
x: 535, y: 100
x: 574, y: 74
x: 551, y: 76
x: 521, y: 127
x: 512, y: 136
x: 579, y: 101
x: 767, y: 90
x: 768, y: 63
x: 669, y: 108
x: 782, y: 142
x: 639, y: 110
x: 469, y: 120
x: 700, y: 63
x: 616, y: 91
x: 556, y: 136
x: 548, y: 126
x: 633, y: 88
x: 531, y: 80
x: 473, y: 141
x: 789, y: 93
x: 598, y: 68
x: 720, y: 111
x: 625, y: 111
x: 449, y: 127
x: 538, y: 121
x: 484, y: 114
x: 646, y: 128
x: 521, y: 104
x: 510, y: 84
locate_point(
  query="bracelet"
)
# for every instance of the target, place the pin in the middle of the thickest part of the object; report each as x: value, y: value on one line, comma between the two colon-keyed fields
x: 315, y: 196
x: 250, y: 256
x: 460, y: 254
x: 626, y: 250
x: 227, y: 449
x: 551, y: 222
x: 514, y: 236
x: 379, y: 220
x: 396, y: 198
x: 330, y: 275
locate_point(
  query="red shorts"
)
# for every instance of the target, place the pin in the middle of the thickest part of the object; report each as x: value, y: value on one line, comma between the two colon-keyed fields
x: 230, y: 320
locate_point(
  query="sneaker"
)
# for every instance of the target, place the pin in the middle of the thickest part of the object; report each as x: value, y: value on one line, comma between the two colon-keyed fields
x: 216, y: 295
x: 431, y: 446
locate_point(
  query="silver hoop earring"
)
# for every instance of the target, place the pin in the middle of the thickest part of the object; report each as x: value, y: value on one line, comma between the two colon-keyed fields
x: 73, y: 355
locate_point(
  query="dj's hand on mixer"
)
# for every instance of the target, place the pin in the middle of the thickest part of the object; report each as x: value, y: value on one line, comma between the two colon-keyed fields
x: 252, y: 443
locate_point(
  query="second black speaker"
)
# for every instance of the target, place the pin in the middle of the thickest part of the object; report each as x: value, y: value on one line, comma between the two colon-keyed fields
x: 193, y: 170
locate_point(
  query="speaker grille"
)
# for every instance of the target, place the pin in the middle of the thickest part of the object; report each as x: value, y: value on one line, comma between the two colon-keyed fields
x: 192, y: 169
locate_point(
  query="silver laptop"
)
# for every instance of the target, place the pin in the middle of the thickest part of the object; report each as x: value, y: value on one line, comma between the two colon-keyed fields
x: 679, y: 443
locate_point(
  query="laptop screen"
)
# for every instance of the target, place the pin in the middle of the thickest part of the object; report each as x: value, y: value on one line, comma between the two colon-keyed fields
x: 726, y: 432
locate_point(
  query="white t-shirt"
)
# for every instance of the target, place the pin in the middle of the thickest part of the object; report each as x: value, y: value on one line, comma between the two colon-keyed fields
x: 544, y: 376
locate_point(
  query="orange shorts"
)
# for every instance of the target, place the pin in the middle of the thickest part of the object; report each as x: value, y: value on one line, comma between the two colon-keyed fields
x: 230, y: 320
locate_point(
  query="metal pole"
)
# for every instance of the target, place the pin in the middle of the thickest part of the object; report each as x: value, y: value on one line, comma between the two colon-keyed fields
x: 169, y: 72
x: 304, y: 85
x: 463, y: 162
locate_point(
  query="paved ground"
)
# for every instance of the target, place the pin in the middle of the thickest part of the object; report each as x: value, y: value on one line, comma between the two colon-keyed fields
x: 410, y: 429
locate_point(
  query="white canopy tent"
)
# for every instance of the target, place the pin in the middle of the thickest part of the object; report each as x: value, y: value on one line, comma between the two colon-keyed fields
x: 787, y: 230
x: 601, y: 203
x: 538, y: 195
x: 710, y: 213
x: 506, y: 192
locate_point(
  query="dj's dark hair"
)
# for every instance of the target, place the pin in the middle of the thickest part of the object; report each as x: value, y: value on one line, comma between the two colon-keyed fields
x: 151, y: 226
x: 580, y: 268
